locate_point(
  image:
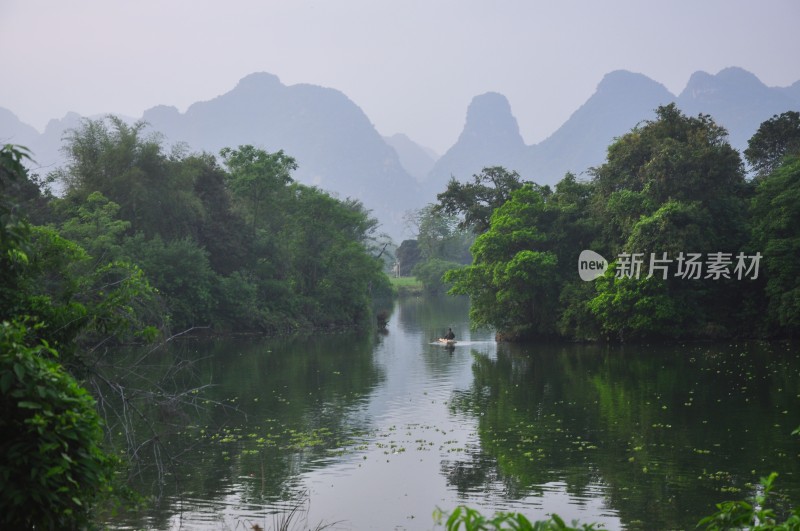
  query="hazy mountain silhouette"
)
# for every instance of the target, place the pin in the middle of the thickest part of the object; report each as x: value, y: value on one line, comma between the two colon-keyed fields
x: 338, y: 148
x: 734, y: 98
x: 45, y: 147
x: 621, y: 101
x: 737, y: 100
x: 416, y: 159
x: 13, y: 131
x: 792, y: 92
x: 490, y: 138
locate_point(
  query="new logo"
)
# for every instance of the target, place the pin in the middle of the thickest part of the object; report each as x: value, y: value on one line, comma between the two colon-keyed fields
x: 591, y: 265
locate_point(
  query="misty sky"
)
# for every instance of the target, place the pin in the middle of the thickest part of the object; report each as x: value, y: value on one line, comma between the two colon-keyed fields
x: 412, y: 66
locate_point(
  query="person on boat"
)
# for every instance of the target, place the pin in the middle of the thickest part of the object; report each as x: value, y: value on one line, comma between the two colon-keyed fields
x: 450, y: 335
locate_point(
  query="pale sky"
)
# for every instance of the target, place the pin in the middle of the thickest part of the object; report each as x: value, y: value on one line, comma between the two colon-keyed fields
x: 412, y: 66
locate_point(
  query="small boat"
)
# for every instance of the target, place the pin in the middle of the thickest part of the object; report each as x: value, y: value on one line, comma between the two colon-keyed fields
x: 448, y: 342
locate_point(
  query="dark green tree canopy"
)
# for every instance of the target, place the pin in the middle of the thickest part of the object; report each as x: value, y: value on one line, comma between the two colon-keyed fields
x: 672, y: 157
x: 669, y: 187
x: 236, y: 244
x: 776, y: 234
x: 775, y: 139
x: 131, y: 169
x: 474, y: 201
x: 513, y: 279
x: 256, y: 178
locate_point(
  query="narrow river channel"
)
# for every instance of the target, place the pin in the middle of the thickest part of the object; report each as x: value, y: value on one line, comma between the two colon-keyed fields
x: 376, y: 433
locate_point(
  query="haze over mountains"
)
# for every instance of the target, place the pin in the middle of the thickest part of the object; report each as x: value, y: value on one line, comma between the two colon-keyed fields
x: 338, y: 149
x: 735, y: 98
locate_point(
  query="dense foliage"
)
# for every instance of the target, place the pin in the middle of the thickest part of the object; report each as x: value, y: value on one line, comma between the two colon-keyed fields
x: 694, y: 249
x: 52, y: 467
x: 776, y: 139
x: 237, y: 247
x: 476, y: 200
x: 143, y: 242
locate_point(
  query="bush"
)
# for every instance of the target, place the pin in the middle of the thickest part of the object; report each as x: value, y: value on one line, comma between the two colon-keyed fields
x: 52, y: 468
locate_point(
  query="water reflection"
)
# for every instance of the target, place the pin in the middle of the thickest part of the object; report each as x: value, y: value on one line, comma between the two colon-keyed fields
x: 272, y: 410
x: 375, y: 432
x: 661, y: 433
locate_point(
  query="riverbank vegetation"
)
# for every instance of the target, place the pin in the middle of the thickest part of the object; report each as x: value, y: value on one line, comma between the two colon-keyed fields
x: 230, y: 244
x: 145, y: 242
x: 145, y: 245
x: 693, y: 248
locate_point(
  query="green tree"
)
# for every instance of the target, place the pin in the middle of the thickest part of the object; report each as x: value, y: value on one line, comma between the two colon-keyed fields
x: 673, y: 185
x: 630, y: 308
x: 672, y: 158
x: 221, y: 231
x: 58, y: 285
x: 131, y: 169
x: 77, y: 300
x: 96, y: 227
x: 256, y: 179
x: 52, y: 468
x: 440, y: 236
x: 29, y: 193
x: 776, y: 235
x: 331, y: 271
x: 432, y: 274
x: 476, y: 200
x: 775, y: 139
x: 14, y: 227
x: 181, y: 272
x: 513, y: 280
x: 442, y: 244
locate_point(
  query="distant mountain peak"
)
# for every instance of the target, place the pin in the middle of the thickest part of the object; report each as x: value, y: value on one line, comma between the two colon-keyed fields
x: 70, y: 120
x: 735, y: 74
x: 338, y: 148
x: 13, y: 130
x: 490, y: 138
x: 700, y: 84
x: 6, y: 114
x: 259, y: 81
x: 489, y: 117
x: 620, y: 82
x: 703, y: 84
x: 160, y: 113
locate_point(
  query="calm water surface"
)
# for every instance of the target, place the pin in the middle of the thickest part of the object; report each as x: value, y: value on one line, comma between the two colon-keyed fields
x: 377, y: 432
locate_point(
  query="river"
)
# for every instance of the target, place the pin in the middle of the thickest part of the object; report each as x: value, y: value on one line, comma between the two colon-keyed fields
x: 376, y: 432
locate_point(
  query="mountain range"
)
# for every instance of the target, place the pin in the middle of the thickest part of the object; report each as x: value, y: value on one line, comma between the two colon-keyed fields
x: 338, y: 149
